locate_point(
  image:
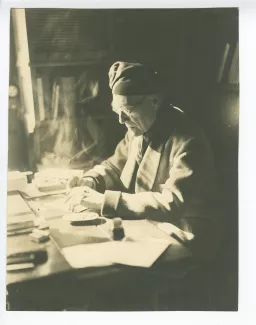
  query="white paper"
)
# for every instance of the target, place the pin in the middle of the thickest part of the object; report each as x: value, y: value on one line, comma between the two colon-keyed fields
x: 141, y: 253
x: 87, y: 255
x: 169, y: 229
x: 64, y: 206
x: 59, y: 203
x: 16, y: 206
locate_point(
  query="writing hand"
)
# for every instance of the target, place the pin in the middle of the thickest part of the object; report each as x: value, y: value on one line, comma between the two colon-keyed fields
x: 92, y: 199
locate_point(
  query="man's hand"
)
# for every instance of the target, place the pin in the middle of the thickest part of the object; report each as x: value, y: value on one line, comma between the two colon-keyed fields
x: 86, y: 197
x: 92, y: 199
x: 77, y: 181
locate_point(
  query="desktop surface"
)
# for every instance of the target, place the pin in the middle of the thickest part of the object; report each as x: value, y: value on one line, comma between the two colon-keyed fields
x: 57, y: 277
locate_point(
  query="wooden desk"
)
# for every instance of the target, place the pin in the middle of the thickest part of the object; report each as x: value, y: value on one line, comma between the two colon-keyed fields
x: 55, y: 285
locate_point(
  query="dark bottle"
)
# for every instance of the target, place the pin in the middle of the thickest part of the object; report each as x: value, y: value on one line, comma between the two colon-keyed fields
x: 118, y: 230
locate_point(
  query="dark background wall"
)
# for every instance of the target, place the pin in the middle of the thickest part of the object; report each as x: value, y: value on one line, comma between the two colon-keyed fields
x: 184, y: 46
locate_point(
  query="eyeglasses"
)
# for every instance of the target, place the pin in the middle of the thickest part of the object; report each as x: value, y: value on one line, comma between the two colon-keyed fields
x: 128, y: 109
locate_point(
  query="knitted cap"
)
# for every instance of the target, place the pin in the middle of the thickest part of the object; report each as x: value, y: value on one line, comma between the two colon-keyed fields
x: 132, y: 79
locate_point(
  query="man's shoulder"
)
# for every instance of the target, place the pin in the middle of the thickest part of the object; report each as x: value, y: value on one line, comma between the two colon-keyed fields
x: 180, y: 129
x: 179, y: 123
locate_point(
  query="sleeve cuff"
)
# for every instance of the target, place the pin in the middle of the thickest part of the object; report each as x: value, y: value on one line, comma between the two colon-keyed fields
x: 100, y: 184
x: 110, y: 204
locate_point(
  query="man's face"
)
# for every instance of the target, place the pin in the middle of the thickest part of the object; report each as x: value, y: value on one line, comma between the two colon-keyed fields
x: 138, y: 113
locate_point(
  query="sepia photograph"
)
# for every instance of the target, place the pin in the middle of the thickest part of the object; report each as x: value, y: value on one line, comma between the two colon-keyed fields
x: 122, y: 183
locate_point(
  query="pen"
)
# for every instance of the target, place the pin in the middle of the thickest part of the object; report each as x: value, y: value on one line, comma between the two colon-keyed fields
x: 182, y: 242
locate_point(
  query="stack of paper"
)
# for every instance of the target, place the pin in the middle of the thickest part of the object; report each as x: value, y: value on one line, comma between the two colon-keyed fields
x: 19, y: 215
x: 16, y: 223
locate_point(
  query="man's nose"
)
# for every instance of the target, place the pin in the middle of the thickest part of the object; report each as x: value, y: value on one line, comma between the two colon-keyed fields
x: 123, y: 118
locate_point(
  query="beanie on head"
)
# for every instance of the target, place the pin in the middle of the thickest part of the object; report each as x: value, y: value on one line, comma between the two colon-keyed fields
x: 133, y: 79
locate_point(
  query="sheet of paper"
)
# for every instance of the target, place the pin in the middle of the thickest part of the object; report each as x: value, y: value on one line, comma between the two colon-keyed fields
x: 169, y: 228
x: 141, y: 253
x: 62, y: 205
x: 16, y: 206
x: 43, y: 207
x: 87, y: 255
x: 58, y: 203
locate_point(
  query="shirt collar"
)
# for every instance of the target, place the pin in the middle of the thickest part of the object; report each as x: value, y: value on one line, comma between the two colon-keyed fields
x: 158, y: 123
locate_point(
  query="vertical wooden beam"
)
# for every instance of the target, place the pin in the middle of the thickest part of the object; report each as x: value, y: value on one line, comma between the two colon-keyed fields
x: 24, y: 73
x: 25, y: 79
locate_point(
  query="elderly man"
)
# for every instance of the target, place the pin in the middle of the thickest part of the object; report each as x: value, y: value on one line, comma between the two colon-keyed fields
x: 162, y: 170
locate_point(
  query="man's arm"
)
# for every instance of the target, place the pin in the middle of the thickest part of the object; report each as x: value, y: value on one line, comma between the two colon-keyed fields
x: 184, y: 201
x: 107, y: 174
x: 187, y: 184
